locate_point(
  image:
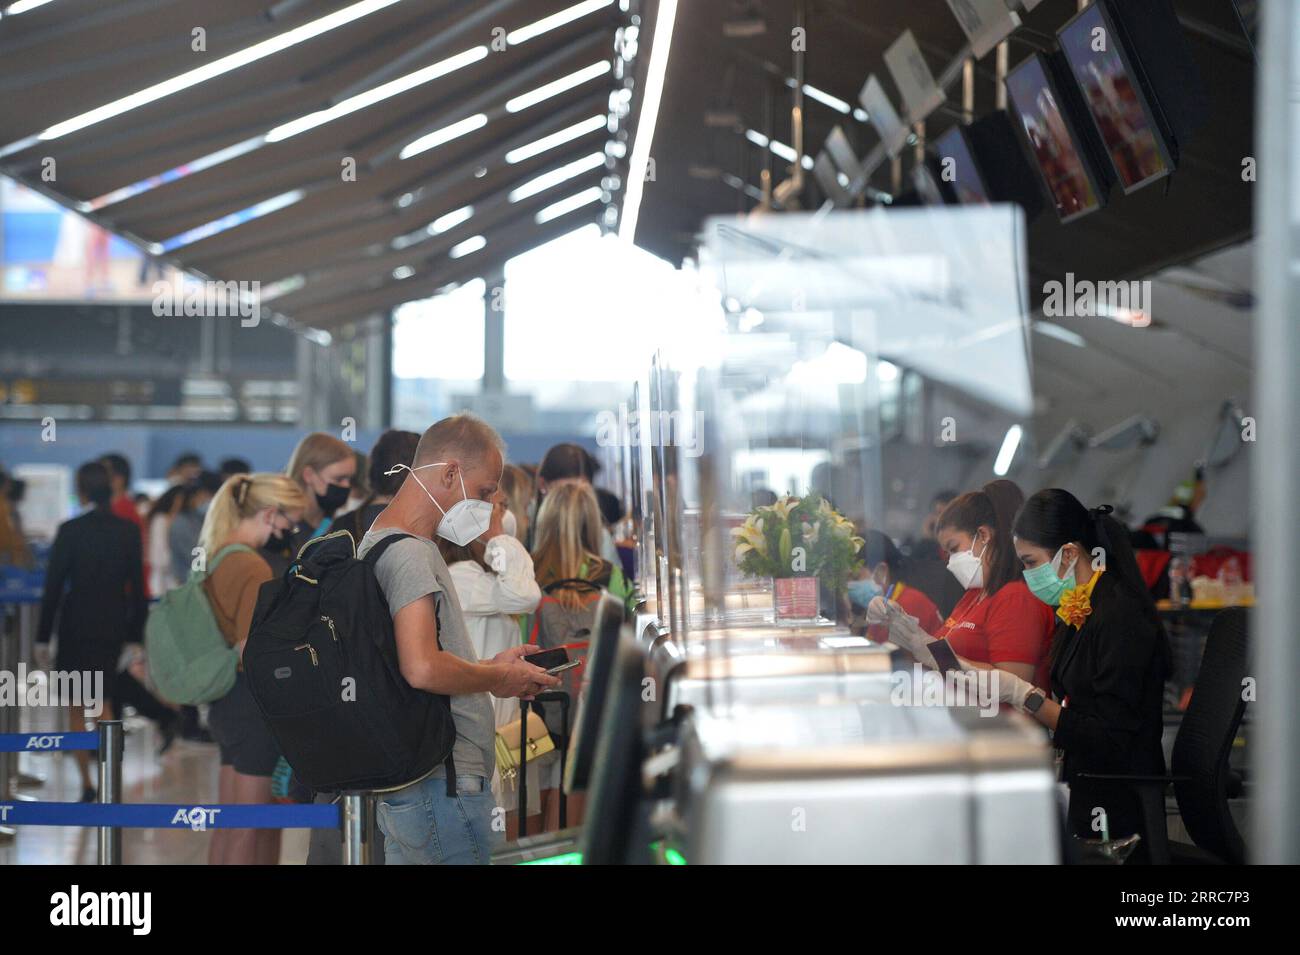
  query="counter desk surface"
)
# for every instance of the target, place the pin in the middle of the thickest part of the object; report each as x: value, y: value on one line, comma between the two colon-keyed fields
x: 865, y: 781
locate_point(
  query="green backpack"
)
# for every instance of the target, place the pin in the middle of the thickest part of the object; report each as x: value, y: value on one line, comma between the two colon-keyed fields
x: 189, y: 660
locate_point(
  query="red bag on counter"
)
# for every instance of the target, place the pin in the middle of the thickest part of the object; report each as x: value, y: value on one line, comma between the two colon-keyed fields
x: 1213, y: 560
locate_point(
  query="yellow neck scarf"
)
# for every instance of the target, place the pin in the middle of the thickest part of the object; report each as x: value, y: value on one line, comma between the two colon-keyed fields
x: 1076, y: 604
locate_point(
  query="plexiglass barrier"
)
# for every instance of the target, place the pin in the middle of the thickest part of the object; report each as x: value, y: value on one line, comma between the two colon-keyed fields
x: 842, y: 368
x: 853, y: 363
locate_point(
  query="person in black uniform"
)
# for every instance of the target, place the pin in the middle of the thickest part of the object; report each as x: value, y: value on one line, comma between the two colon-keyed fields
x: 94, y: 589
x: 1109, y: 659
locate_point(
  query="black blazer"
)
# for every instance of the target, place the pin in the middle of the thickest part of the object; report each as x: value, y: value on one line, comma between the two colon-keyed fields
x: 1112, y: 673
x: 96, y: 558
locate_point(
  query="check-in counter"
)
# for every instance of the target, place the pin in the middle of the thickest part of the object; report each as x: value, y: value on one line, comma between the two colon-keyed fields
x: 862, y: 782
x: 752, y: 606
x: 766, y: 663
x: 808, y: 675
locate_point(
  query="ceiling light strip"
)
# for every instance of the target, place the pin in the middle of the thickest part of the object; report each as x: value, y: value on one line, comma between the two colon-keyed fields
x: 661, y: 44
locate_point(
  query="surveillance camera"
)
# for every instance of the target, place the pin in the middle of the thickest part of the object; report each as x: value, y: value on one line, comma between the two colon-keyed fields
x: 1137, y: 431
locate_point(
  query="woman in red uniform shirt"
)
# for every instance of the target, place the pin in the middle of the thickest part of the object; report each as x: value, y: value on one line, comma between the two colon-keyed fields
x: 886, y: 572
x: 998, y: 622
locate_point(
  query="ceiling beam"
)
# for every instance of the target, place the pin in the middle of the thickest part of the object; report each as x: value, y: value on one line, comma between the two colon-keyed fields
x: 269, y: 236
x: 497, y: 219
x: 492, y: 100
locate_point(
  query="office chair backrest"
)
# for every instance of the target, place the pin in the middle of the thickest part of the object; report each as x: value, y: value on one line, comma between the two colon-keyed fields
x: 1205, y: 739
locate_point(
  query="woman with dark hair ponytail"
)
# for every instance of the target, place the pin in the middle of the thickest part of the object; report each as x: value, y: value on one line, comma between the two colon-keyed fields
x: 1109, y: 658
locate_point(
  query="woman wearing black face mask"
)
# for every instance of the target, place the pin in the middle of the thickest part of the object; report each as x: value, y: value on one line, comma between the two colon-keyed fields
x: 323, y: 467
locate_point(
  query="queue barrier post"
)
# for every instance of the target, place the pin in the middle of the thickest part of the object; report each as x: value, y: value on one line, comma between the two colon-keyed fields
x: 25, y: 642
x: 111, y: 749
x: 8, y: 719
x: 357, y: 819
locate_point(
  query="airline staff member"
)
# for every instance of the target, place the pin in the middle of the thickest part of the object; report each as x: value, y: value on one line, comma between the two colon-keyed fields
x: 998, y: 622
x: 1109, y: 660
x: 886, y: 572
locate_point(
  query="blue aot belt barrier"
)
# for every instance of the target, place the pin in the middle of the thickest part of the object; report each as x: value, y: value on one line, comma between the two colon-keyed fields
x: 47, y: 742
x: 353, y: 813
x: 168, y: 816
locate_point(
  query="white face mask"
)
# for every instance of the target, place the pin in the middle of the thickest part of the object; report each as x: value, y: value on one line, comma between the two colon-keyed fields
x: 468, y: 517
x: 509, y: 524
x: 967, y: 567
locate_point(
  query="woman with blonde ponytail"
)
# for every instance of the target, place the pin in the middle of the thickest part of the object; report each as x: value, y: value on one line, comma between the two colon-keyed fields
x: 566, y: 551
x: 250, y: 511
x: 567, y: 544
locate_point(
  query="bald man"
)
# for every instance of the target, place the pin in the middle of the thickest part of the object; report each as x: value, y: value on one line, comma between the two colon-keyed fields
x: 447, y: 491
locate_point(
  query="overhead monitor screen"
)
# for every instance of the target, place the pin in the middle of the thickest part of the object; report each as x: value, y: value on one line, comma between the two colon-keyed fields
x: 957, y: 167
x: 1116, y: 101
x: 1053, y: 139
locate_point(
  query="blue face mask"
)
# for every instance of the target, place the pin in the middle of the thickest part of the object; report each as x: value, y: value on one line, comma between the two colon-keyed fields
x: 861, y: 591
x: 1045, y: 584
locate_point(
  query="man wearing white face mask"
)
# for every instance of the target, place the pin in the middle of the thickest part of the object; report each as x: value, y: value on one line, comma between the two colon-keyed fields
x: 453, y: 477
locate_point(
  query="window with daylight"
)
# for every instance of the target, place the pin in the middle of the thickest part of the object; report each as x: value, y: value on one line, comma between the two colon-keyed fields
x: 437, y: 354
x: 578, y: 311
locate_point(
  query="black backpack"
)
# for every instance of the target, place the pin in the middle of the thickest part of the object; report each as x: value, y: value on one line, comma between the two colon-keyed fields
x: 321, y: 662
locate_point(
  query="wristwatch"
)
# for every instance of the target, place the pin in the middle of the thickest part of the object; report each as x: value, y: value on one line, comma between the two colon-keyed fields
x: 1033, y: 700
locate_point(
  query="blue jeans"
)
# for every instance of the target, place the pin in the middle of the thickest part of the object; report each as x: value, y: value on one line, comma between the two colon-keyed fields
x: 422, y: 825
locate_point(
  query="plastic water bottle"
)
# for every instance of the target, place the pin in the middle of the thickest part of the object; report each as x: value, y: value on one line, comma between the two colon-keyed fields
x: 1178, y: 581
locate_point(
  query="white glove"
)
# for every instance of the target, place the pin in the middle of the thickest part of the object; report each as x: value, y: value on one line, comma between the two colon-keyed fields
x: 1011, y: 688
x: 877, y: 610
x: 905, y: 631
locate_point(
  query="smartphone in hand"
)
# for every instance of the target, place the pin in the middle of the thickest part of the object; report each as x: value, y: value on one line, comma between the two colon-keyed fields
x: 548, y: 659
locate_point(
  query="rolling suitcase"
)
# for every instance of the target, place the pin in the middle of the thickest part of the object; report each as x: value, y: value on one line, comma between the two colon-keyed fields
x: 552, y: 697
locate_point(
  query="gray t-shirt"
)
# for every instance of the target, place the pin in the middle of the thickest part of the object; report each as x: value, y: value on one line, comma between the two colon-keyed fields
x: 409, y: 570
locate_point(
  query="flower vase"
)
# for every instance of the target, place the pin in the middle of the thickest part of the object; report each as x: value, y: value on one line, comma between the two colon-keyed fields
x: 796, y: 599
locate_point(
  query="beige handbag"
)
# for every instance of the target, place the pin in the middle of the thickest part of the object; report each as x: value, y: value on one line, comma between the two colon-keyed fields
x: 539, y: 743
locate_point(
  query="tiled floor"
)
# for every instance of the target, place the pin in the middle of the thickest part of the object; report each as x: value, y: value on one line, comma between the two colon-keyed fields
x: 187, y: 774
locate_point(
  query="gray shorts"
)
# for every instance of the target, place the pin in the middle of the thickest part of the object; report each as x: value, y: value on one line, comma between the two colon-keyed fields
x: 239, y: 729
